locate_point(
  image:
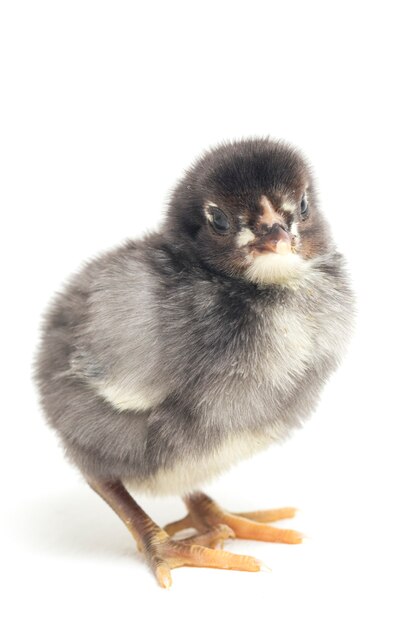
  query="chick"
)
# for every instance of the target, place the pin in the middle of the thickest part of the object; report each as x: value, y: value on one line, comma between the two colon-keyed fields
x: 172, y: 357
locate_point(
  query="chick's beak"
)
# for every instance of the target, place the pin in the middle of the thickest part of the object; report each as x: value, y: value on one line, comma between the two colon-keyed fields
x: 275, y: 240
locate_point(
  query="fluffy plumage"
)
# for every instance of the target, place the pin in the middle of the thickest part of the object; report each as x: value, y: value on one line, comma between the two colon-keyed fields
x: 171, y: 357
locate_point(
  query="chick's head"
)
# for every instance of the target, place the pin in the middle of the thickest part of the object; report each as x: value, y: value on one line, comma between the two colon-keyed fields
x: 248, y: 209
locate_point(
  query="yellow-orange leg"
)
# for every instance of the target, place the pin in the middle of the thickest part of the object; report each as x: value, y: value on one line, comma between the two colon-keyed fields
x: 163, y: 553
x: 204, y: 513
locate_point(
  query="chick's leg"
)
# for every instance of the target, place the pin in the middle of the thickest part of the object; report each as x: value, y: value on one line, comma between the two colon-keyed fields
x: 204, y: 514
x: 161, y: 552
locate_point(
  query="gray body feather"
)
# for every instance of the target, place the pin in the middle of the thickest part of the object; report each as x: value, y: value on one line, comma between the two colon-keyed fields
x: 216, y: 358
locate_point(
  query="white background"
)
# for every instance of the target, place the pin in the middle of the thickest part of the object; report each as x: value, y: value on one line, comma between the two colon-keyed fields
x: 103, y: 104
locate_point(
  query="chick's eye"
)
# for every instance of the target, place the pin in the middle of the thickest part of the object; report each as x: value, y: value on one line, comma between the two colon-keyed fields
x: 304, y: 207
x: 220, y: 222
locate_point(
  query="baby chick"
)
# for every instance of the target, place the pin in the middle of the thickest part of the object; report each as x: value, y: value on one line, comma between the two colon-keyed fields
x: 170, y: 358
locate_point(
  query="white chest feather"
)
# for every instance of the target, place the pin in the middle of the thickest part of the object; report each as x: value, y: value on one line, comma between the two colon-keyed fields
x: 189, y: 473
x: 289, y: 347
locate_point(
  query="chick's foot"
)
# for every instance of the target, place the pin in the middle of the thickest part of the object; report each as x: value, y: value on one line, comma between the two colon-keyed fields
x: 160, y: 551
x: 166, y: 554
x: 204, y: 514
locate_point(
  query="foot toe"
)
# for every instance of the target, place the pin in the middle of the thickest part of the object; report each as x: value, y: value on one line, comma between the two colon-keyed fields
x: 269, y: 515
x: 245, y: 528
x: 163, y: 575
x: 212, y: 538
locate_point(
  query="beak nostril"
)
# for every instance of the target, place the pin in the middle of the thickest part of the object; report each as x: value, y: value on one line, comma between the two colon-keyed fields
x: 275, y: 228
